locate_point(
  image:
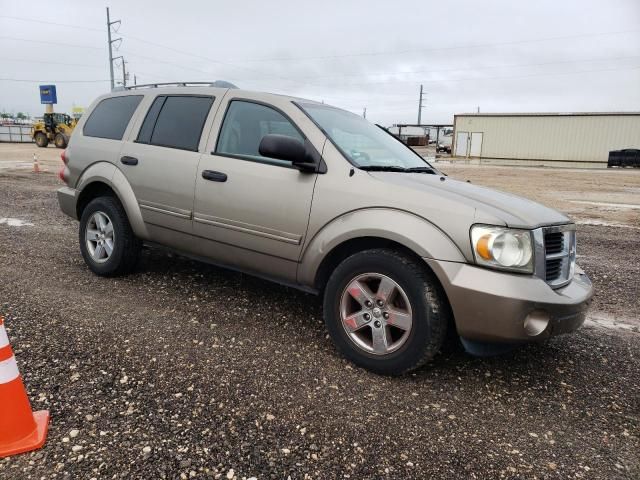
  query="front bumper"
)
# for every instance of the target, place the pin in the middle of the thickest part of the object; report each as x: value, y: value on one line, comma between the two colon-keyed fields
x: 67, y: 199
x: 493, y: 306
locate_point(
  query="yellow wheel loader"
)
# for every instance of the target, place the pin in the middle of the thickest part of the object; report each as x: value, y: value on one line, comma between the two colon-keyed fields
x: 54, y: 127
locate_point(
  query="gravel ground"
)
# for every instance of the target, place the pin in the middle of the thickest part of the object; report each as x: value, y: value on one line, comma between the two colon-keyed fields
x: 185, y: 370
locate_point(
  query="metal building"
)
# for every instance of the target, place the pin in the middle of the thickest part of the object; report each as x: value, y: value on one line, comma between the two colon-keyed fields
x: 544, y: 138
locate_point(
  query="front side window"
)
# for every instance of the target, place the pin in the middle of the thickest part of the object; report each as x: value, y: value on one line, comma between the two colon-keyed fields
x: 110, y: 117
x: 244, y: 126
x: 175, y: 122
x: 364, y: 144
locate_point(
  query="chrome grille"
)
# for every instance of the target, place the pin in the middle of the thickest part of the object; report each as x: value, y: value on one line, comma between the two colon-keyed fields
x: 553, y: 246
x: 556, y: 254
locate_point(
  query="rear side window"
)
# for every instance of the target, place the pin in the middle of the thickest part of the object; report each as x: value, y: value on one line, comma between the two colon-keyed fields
x: 110, y: 117
x: 150, y: 120
x: 175, y: 122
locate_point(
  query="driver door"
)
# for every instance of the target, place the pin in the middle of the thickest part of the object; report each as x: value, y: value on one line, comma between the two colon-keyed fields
x: 257, y: 207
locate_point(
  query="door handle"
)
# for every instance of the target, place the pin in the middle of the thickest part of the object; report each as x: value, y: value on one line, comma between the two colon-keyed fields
x: 214, y: 176
x: 126, y: 160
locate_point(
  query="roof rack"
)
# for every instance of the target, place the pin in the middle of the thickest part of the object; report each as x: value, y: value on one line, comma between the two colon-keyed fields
x: 216, y: 83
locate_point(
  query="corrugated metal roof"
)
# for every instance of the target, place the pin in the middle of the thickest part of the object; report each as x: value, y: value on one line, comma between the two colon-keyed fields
x: 545, y: 114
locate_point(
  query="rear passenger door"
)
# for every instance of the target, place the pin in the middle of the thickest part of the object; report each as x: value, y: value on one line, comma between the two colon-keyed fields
x: 161, y: 160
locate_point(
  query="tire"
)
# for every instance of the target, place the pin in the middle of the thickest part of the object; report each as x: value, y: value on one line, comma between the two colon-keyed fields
x: 60, y: 140
x: 125, y: 246
x: 418, y: 292
x: 41, y: 139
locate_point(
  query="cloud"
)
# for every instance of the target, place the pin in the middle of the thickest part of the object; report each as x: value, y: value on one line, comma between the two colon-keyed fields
x: 501, y: 56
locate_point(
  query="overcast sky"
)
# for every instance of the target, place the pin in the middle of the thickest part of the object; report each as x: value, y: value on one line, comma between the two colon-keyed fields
x: 502, y: 56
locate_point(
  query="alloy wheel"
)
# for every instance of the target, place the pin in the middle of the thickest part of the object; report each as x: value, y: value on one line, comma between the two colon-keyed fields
x: 99, y: 237
x: 376, y: 314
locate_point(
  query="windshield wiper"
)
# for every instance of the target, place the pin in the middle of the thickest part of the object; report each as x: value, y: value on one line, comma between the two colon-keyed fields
x: 421, y: 170
x: 382, y: 168
x: 394, y: 168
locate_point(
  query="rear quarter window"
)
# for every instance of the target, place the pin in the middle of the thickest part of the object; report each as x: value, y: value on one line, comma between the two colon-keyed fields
x: 110, y: 117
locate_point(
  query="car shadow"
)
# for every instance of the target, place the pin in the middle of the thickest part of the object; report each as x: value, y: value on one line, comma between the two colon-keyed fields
x: 534, y: 362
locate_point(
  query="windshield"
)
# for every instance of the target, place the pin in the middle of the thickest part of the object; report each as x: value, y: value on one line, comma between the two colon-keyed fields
x: 365, y: 145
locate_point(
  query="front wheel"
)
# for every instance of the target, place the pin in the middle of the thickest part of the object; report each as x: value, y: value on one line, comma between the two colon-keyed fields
x: 385, y: 311
x: 41, y: 139
x: 107, y: 242
x: 60, y: 140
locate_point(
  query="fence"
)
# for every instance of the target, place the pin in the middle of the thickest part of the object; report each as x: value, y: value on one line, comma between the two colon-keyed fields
x: 15, y: 133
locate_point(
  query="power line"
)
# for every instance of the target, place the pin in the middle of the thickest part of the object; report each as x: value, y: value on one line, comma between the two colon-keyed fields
x: 50, y: 81
x: 22, y: 19
x: 489, y: 77
x: 47, y: 42
x: 212, y: 60
x: 480, y: 67
x: 22, y: 60
x: 388, y: 52
x: 434, y: 49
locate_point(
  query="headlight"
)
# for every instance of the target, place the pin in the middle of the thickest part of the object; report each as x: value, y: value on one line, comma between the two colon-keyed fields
x: 504, y: 248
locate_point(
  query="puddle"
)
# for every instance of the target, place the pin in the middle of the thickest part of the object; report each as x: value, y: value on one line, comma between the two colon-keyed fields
x: 611, y: 323
x: 12, y: 165
x: 600, y: 223
x: 15, y: 222
x: 631, y: 206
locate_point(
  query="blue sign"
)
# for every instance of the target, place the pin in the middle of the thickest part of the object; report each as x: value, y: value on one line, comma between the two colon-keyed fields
x: 48, y: 94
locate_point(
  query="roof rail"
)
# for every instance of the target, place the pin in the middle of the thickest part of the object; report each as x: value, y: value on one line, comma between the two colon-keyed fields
x: 216, y: 83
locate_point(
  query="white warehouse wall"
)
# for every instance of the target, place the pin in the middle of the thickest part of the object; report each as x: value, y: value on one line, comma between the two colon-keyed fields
x: 560, y: 137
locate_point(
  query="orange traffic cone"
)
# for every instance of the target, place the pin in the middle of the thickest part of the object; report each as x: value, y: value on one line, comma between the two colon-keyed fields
x: 36, y: 165
x: 21, y: 430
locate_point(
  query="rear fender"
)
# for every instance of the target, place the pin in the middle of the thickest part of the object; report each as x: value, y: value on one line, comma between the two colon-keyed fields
x: 110, y: 175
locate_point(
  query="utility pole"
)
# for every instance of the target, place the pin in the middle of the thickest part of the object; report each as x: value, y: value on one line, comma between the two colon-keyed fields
x: 364, y: 113
x: 124, y: 69
x: 124, y: 73
x: 111, y: 42
x: 420, y: 106
x: 135, y: 79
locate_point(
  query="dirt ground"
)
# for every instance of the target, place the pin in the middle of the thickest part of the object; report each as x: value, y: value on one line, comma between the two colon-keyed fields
x: 183, y: 370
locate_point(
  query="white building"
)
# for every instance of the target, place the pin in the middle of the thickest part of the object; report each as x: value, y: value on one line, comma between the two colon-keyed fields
x: 544, y: 138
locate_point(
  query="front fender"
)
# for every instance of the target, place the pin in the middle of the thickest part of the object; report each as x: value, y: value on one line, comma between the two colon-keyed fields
x: 405, y: 228
x: 110, y: 175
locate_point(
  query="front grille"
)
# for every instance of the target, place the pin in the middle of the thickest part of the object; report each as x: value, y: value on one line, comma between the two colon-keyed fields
x: 553, y: 245
x: 554, y: 269
x: 559, y: 254
x: 553, y: 242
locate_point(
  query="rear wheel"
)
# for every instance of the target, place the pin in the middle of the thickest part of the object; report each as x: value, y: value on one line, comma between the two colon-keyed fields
x: 41, y: 139
x: 60, y: 140
x: 385, y: 312
x: 107, y: 242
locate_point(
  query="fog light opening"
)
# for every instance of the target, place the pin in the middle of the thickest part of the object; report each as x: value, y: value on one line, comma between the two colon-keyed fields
x: 536, y: 323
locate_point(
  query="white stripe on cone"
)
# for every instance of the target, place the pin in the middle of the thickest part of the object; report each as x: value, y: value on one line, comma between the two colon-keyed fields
x: 4, y: 340
x: 8, y: 370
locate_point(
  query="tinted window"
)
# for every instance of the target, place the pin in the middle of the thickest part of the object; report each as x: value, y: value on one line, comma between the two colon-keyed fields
x: 180, y: 122
x: 244, y: 126
x: 111, y: 116
x: 144, y: 136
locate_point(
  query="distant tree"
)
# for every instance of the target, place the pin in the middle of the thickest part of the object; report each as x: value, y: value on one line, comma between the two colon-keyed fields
x: 5, y: 115
x: 21, y: 116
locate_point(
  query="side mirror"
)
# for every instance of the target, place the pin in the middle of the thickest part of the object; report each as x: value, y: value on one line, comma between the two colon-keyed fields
x: 282, y: 147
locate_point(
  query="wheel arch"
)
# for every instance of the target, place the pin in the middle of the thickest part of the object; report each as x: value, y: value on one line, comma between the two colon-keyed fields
x: 372, y: 228
x: 103, y: 178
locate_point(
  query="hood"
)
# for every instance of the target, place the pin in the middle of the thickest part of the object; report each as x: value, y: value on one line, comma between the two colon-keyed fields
x: 490, y: 205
